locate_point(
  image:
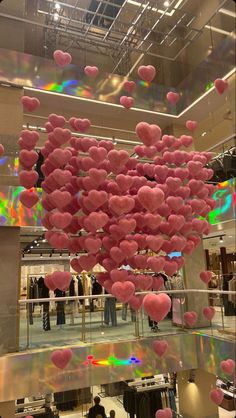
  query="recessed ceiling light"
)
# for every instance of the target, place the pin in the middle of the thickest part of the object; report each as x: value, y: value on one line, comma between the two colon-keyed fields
x: 204, y: 133
x: 221, y: 239
x: 166, y: 3
x: 57, y: 6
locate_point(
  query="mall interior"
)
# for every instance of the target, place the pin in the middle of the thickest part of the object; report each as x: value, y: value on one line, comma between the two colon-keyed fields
x: 117, y: 209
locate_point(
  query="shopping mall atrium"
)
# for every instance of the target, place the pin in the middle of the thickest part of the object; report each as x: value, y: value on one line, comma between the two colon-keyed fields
x: 117, y: 209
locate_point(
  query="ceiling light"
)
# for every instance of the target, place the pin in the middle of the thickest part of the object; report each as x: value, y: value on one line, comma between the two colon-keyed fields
x: 57, y: 6
x: 204, y: 133
x: 31, y: 246
x: 41, y: 255
x: 37, y: 244
x: 35, y: 241
x: 166, y: 3
x: 44, y: 240
x: 60, y: 255
x: 221, y: 239
x: 56, y: 16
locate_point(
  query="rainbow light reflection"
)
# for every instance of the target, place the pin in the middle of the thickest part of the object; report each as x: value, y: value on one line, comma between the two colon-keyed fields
x: 225, y: 197
x: 111, y: 361
x: 13, y: 213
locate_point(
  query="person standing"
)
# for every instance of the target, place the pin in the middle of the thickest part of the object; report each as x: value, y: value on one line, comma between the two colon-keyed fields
x: 97, y: 409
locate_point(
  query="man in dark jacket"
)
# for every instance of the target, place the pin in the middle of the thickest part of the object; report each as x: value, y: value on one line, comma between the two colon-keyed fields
x: 97, y: 409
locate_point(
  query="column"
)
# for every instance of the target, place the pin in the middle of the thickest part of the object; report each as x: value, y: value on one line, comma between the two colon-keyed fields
x: 7, y: 409
x: 10, y: 288
x: 194, y: 401
x: 194, y: 264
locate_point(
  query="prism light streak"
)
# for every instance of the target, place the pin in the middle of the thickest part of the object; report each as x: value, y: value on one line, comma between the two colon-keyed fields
x: 13, y: 213
x: 111, y: 361
x: 225, y: 197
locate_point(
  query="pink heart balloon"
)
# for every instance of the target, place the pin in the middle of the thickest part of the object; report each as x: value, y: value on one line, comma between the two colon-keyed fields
x: 186, y: 140
x: 147, y: 72
x: 209, y: 312
x: 157, y: 306
x: 61, y: 358
x: 152, y: 221
x: 156, y: 264
x: 58, y: 240
x: 61, y: 220
x: 119, y: 275
x: 228, y: 366
x: 158, y: 283
x: 150, y: 199
x: 118, y: 158
x: 91, y: 71
x: 28, y: 158
x: 28, y: 198
x: 160, y: 347
x: 60, y: 199
x: 170, y: 267
x: 61, y: 279
x: 217, y: 396
x: 129, y: 248
x: 62, y: 59
x: 206, y: 276
x: 172, y: 97
x: 190, y: 318
x: 191, y: 125
x: 129, y: 86
x: 82, y: 125
x: 126, y: 102
x: 148, y: 134
x: 175, y: 203
x: 221, y: 85
x: 28, y: 179
x: 121, y: 205
x: 154, y: 242
x: 164, y: 413
x: 127, y: 225
x: 76, y: 265
x: 60, y: 157
x: 62, y: 176
x: 97, y: 176
x: 117, y: 254
x: 30, y: 103
x: 93, y: 245
x: 98, y: 154
x: 136, y: 302
x: 56, y: 120
x: 96, y: 220
x: 48, y: 281
x: 87, y: 262
x: 123, y: 292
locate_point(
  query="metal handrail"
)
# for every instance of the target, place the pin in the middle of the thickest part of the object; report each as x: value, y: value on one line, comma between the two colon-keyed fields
x: 104, y: 296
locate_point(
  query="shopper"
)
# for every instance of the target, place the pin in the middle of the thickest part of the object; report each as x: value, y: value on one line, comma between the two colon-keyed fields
x: 97, y: 409
x: 112, y: 414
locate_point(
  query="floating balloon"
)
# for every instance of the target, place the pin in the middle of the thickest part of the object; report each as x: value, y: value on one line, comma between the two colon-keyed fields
x: 62, y: 59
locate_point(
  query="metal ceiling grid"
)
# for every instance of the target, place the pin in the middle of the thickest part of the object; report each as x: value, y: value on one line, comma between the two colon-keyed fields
x: 124, y: 28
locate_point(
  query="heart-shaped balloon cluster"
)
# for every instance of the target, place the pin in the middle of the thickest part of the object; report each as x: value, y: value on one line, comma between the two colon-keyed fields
x: 118, y: 211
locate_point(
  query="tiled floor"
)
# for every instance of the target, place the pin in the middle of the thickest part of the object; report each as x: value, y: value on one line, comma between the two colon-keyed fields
x: 96, y: 330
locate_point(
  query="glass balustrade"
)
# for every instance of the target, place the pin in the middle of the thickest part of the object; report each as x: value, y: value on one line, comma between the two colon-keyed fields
x: 100, y: 318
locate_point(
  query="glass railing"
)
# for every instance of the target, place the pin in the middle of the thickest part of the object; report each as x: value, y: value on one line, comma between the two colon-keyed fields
x: 100, y: 318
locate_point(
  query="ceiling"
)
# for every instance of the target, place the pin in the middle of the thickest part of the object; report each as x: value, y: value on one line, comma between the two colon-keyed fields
x: 120, y: 34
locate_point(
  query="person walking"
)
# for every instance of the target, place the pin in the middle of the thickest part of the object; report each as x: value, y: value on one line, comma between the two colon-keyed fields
x: 97, y: 409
